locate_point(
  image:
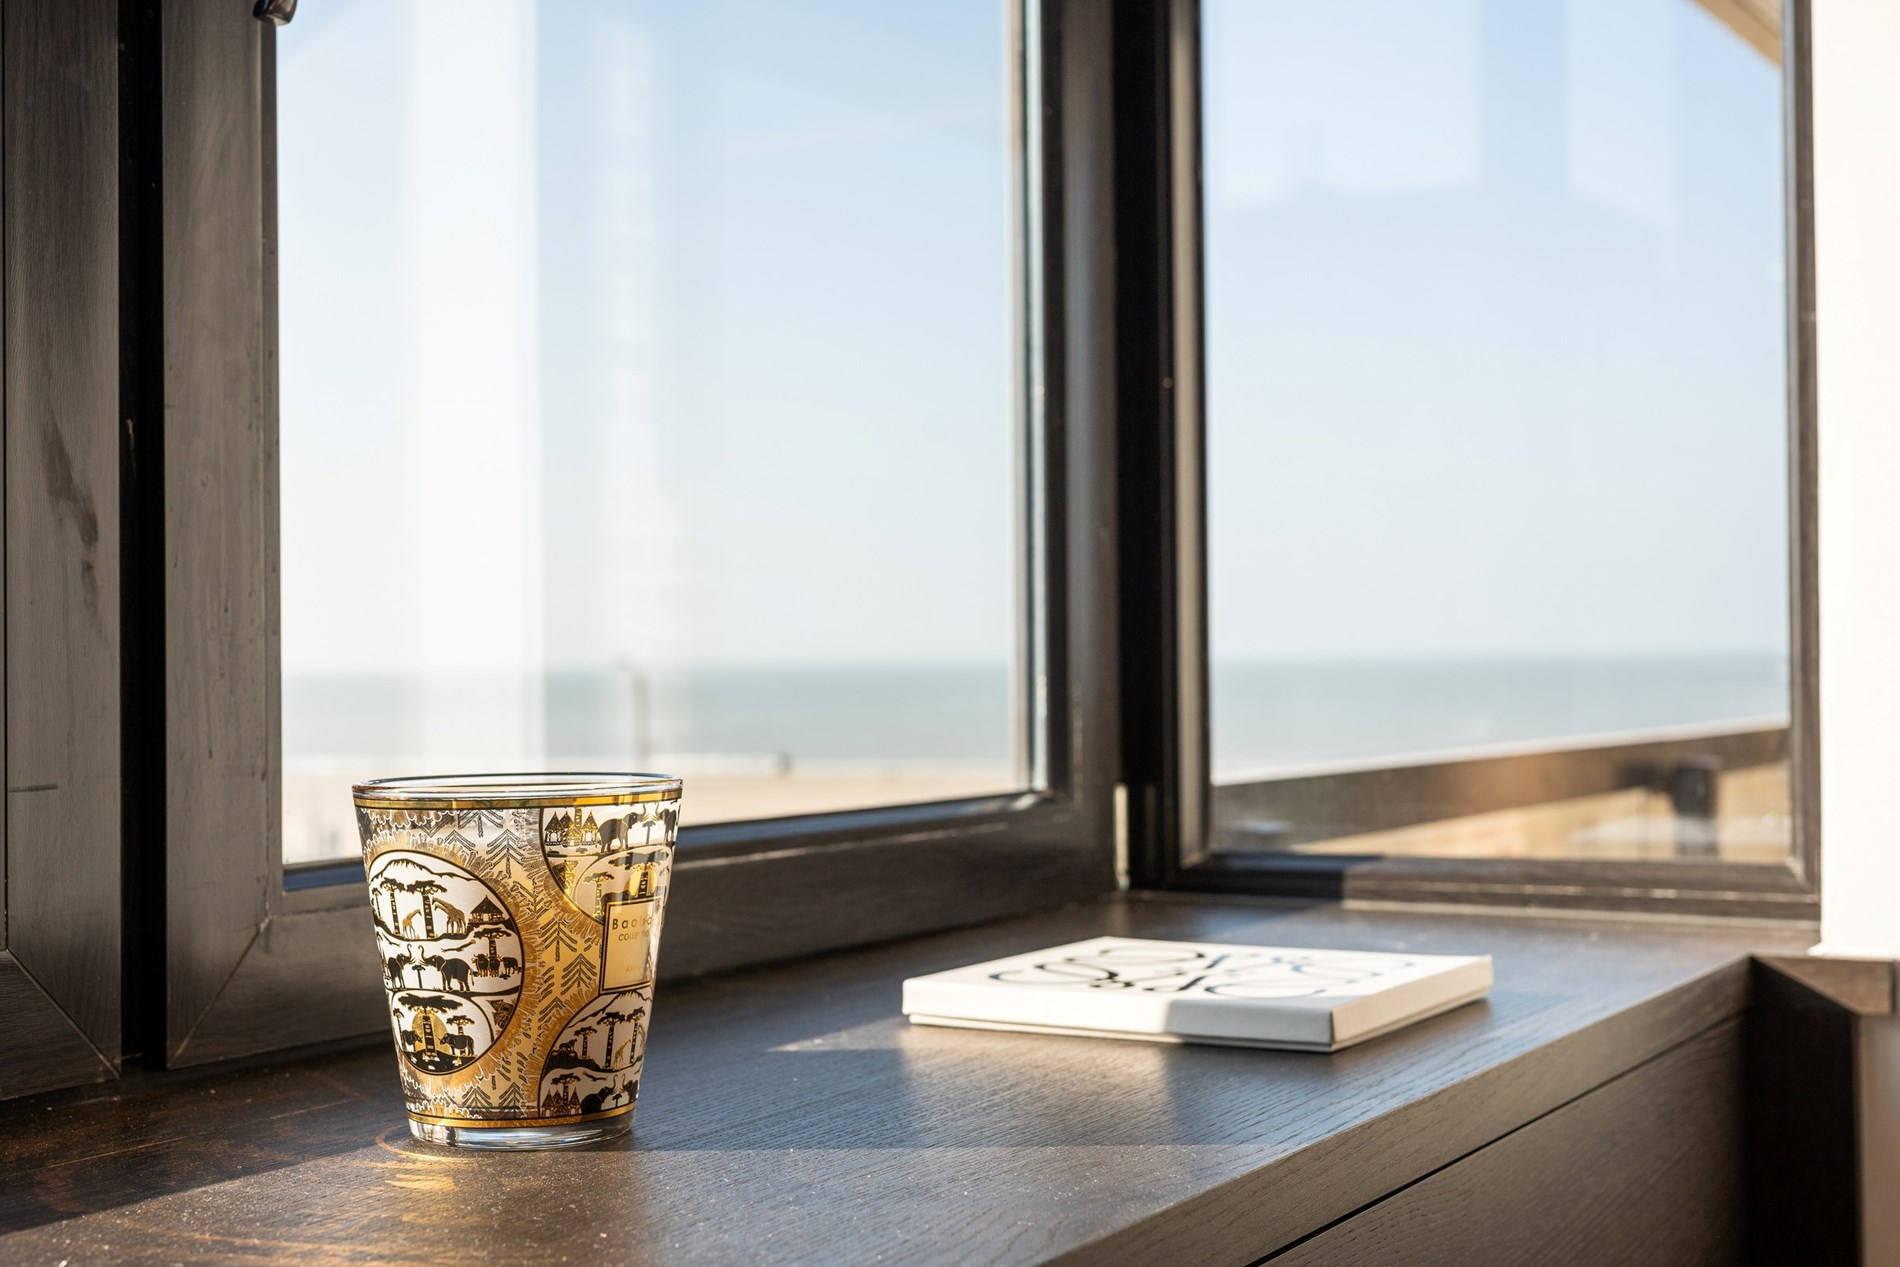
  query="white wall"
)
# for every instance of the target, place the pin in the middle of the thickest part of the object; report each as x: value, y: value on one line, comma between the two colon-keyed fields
x: 1857, y: 282
x: 1857, y: 314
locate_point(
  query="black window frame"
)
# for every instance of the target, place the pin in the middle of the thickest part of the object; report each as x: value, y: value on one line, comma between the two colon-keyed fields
x: 242, y: 931
x: 1165, y: 681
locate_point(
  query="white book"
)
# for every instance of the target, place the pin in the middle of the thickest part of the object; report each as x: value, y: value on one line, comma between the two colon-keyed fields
x: 1200, y: 992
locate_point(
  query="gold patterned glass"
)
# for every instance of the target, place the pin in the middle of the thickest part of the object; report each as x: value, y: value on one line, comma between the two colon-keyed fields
x: 517, y: 920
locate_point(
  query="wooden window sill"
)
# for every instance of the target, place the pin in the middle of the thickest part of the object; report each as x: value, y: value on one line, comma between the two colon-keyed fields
x: 791, y: 1114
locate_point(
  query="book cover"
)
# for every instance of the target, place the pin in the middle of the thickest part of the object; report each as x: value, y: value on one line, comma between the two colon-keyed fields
x: 1200, y: 992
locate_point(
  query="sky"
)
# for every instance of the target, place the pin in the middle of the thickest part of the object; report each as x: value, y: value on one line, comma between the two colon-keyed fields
x: 681, y: 334
x: 1495, y: 346
x: 644, y: 331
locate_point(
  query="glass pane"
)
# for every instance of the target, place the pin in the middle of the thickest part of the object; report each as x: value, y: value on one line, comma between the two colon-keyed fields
x: 1496, y: 429
x: 647, y: 399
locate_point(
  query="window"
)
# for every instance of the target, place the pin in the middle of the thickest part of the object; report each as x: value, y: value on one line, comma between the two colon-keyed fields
x: 1362, y: 433
x: 841, y: 494
x: 1496, y: 432
x: 648, y: 400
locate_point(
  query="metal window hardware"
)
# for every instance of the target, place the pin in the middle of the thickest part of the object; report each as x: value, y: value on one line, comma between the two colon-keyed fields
x: 275, y: 12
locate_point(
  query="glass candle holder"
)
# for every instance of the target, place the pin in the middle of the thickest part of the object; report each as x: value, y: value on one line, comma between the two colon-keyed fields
x: 518, y: 922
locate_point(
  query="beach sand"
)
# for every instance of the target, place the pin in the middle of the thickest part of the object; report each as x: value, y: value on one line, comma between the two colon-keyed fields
x: 320, y: 821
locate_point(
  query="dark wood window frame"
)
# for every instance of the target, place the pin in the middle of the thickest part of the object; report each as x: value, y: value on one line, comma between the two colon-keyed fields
x: 141, y: 547
x: 243, y: 934
x: 60, y: 878
x: 1164, y: 634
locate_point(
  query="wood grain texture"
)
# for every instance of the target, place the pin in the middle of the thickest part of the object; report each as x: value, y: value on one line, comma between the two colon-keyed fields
x: 790, y: 1114
x: 41, y: 1047
x: 1644, y: 1169
x: 285, y: 991
x: 62, y: 763
x: 221, y: 506
x: 1864, y: 987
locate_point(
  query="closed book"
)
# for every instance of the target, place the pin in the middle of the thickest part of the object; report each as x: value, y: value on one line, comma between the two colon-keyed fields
x: 1200, y: 992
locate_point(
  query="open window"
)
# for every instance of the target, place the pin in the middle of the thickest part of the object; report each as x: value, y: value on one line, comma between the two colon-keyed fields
x: 1487, y: 456
x: 477, y: 506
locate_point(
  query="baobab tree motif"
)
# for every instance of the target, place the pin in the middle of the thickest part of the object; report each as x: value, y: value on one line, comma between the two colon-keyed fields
x: 427, y: 889
x: 452, y: 958
x: 613, y: 1019
x: 390, y: 886
x: 580, y: 1076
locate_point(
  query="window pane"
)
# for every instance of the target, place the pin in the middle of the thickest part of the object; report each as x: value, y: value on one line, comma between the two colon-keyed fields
x: 647, y: 399
x: 1496, y: 423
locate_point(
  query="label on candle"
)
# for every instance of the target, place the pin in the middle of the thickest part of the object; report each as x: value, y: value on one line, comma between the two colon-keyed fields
x: 628, y: 957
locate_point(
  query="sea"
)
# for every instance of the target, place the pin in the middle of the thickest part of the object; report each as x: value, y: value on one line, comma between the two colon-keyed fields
x: 1265, y: 715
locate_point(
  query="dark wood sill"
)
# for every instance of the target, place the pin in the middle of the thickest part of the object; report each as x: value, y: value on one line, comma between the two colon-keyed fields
x: 790, y: 1114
